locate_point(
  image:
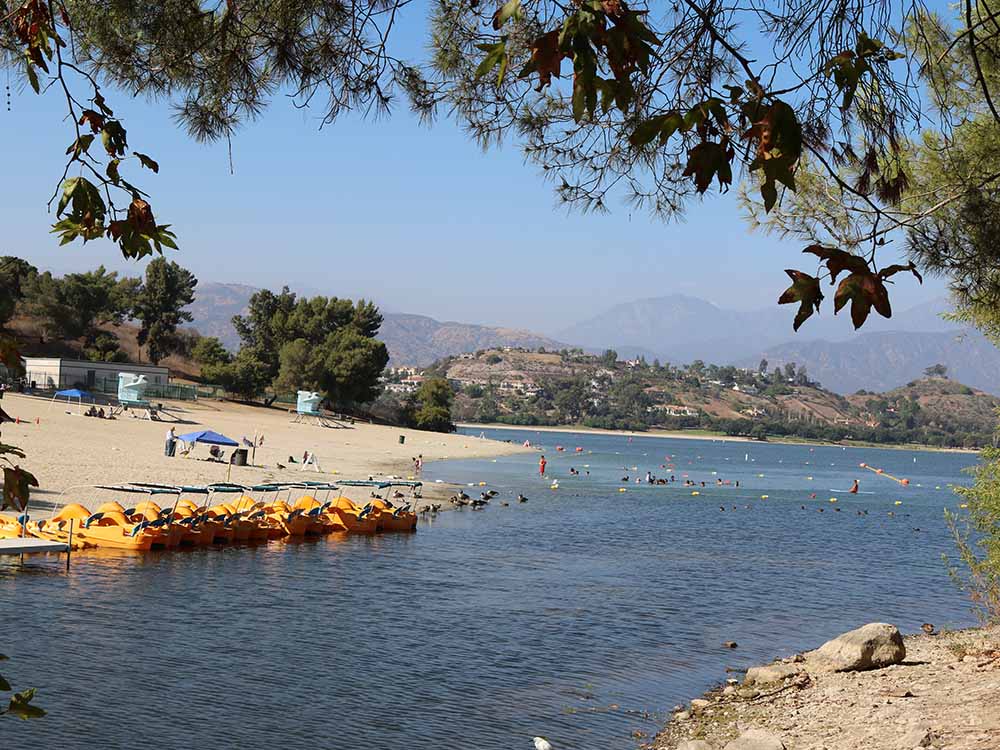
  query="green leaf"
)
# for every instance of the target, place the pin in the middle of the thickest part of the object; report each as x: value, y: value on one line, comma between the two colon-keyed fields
x: 114, y: 139
x: 863, y: 290
x: 33, y: 77
x: 68, y: 186
x: 504, y: 61
x: 80, y: 145
x: 20, y: 705
x: 663, y: 126
x: 494, y: 56
x: 147, y: 162
x: 165, y: 237
x: 506, y: 11
x: 769, y: 194
x: 804, y: 290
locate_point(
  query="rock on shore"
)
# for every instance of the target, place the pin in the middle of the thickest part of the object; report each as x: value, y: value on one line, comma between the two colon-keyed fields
x: 856, y: 692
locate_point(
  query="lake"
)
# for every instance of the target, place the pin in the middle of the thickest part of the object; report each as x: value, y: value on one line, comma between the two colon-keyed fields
x: 583, y: 615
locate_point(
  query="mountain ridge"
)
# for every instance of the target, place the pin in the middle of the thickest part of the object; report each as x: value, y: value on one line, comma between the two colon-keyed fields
x: 680, y: 328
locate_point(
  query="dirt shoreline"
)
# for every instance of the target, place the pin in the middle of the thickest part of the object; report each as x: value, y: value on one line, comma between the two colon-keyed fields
x: 944, y: 694
x: 710, y: 436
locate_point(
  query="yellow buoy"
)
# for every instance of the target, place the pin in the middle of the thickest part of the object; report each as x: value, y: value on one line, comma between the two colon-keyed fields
x: 898, y: 502
x: 482, y: 484
x: 964, y: 505
x: 764, y: 497
x: 622, y: 489
x: 833, y: 499
x: 760, y: 475
x: 696, y: 492
x: 809, y: 478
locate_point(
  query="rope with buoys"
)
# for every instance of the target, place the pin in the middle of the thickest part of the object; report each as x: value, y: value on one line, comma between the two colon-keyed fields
x: 882, y: 473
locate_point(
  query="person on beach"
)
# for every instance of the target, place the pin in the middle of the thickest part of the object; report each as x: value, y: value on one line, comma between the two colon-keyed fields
x: 420, y: 463
x: 854, y: 488
x: 171, y: 444
x: 541, y: 466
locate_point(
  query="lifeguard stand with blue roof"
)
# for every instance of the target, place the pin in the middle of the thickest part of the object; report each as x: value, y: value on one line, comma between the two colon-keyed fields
x: 307, y: 408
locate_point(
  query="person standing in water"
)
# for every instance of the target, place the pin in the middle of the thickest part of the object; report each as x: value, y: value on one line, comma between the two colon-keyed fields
x: 541, y: 466
x: 854, y: 488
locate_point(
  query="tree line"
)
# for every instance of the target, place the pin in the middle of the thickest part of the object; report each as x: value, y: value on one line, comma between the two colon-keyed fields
x: 86, y: 306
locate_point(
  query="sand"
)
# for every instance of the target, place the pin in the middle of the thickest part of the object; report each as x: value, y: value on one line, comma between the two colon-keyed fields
x: 66, y: 451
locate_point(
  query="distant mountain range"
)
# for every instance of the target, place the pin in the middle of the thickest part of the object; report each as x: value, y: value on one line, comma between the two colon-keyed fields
x: 881, y: 361
x: 679, y: 329
x: 411, y: 339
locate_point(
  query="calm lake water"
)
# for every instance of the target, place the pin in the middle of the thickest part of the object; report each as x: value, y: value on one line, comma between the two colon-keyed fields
x: 582, y: 615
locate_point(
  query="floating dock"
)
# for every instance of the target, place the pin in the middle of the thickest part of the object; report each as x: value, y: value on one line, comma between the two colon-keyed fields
x: 28, y: 544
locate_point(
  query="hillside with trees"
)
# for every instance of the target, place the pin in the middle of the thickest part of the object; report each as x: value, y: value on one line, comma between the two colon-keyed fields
x: 570, y: 387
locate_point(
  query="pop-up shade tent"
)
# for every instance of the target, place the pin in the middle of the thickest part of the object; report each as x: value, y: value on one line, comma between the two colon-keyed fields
x: 71, y: 394
x: 208, y: 437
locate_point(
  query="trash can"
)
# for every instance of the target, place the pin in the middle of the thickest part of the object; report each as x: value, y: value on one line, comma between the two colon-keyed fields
x: 402, y: 439
x: 240, y: 457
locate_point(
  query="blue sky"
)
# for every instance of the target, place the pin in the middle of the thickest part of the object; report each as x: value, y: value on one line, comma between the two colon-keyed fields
x: 418, y: 218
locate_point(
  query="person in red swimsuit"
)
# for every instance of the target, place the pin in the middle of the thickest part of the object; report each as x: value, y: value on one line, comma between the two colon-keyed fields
x: 541, y: 466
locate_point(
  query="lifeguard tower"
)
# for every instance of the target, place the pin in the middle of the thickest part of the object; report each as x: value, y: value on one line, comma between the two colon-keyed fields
x: 131, y: 392
x: 307, y: 409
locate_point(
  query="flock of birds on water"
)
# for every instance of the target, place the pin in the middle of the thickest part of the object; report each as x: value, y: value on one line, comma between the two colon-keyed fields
x: 461, y: 500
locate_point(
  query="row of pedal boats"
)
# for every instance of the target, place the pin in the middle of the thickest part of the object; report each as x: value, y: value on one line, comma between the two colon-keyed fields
x: 165, y: 516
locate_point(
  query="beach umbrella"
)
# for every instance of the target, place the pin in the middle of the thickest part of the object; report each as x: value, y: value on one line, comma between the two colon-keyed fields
x: 73, y: 393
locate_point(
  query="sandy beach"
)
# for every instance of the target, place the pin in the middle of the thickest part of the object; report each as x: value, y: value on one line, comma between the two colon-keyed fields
x: 65, y: 450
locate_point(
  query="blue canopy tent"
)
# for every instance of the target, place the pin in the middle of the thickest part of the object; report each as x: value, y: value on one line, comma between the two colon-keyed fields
x: 73, y: 393
x: 209, y: 438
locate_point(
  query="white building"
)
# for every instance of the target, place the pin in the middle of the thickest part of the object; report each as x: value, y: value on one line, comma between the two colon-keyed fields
x: 57, y: 373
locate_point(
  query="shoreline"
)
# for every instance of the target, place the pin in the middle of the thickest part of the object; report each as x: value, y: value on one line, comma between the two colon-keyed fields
x: 70, y: 453
x: 712, y: 436
x: 944, y: 692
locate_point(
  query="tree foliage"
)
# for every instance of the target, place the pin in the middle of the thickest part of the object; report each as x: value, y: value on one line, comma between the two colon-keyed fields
x: 977, y: 535
x: 652, y: 103
x: 159, y: 306
x: 16, y: 275
x: 77, y: 305
x: 313, y: 343
x: 434, y: 398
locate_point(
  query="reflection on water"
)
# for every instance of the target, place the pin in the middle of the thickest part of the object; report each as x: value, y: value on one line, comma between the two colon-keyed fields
x: 582, y: 615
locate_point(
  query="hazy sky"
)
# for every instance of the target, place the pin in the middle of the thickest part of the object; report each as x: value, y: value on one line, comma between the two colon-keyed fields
x: 418, y: 218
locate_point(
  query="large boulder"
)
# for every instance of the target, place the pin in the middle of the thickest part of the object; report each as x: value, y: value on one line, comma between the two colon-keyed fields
x: 771, y: 673
x: 756, y: 739
x: 694, y: 745
x: 871, y: 646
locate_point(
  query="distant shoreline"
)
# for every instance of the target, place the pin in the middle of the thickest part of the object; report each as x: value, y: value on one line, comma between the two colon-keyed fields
x: 712, y: 436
